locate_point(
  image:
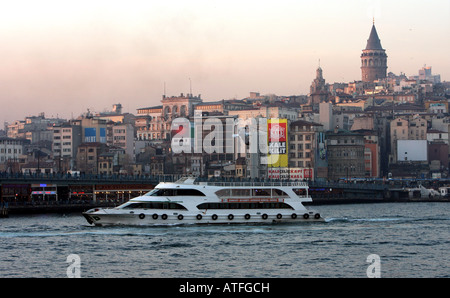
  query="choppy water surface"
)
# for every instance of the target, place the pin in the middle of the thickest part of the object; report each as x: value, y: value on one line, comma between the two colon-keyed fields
x: 411, y: 239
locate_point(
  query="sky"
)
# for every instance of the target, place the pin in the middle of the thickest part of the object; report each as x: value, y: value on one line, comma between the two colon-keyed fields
x: 64, y: 57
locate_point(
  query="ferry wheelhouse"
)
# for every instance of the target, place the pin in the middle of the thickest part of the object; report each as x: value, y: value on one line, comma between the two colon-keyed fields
x: 188, y: 201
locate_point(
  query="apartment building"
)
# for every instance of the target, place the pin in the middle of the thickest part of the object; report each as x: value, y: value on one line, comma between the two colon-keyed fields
x: 88, y: 157
x: 123, y: 137
x: 11, y: 149
x: 66, y: 139
x: 406, y: 128
x: 345, y: 150
x: 302, y: 143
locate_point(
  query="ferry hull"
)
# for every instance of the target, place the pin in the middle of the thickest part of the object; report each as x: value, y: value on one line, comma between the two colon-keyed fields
x: 100, y: 218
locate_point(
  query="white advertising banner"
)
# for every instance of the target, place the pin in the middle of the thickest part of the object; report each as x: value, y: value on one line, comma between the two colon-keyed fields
x: 290, y: 173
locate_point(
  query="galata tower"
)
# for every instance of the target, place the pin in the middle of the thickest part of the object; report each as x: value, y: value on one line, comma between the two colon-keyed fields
x: 373, y: 59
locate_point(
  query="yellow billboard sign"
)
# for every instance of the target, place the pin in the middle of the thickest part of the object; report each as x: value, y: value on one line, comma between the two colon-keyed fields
x: 277, y: 132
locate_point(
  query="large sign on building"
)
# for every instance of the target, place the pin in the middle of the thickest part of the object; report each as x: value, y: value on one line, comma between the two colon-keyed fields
x: 291, y: 173
x: 277, y: 130
x: 90, y: 135
x: 412, y: 150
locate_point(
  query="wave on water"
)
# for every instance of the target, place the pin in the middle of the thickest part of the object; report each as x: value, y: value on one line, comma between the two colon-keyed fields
x: 98, y: 232
x: 150, y: 231
x: 384, y: 219
x: 346, y: 219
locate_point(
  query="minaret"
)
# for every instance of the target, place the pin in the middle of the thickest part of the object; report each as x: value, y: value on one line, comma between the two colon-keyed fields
x: 373, y: 58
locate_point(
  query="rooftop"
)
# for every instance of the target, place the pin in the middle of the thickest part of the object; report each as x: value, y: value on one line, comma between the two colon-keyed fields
x: 373, y: 43
x: 305, y: 123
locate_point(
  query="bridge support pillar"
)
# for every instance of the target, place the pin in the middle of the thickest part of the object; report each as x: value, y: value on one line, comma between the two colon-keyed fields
x: 94, y: 197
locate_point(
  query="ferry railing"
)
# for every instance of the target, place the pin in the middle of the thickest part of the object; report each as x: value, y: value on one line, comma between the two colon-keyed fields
x: 252, y: 183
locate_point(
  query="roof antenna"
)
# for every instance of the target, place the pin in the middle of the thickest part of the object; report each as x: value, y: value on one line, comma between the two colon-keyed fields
x: 190, y: 86
x: 374, y: 20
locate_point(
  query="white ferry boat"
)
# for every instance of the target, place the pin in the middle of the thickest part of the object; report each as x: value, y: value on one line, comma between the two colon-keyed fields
x: 189, y: 202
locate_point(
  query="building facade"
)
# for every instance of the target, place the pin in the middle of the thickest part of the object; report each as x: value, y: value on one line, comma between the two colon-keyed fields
x: 399, y: 131
x: 92, y: 129
x: 345, y: 151
x: 406, y: 128
x: 88, y: 157
x: 66, y: 139
x: 123, y: 137
x: 302, y: 144
x: 10, y: 151
x: 154, y: 123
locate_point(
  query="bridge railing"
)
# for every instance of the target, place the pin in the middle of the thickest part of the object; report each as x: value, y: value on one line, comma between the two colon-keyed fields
x: 93, y: 178
x: 368, y: 186
x: 90, y: 177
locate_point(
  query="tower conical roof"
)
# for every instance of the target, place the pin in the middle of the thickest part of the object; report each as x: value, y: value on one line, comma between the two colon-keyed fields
x: 373, y: 43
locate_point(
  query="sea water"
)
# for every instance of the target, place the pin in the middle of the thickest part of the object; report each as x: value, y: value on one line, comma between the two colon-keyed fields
x: 410, y: 239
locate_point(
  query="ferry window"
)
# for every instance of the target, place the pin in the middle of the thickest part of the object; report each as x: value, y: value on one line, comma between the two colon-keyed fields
x: 155, y: 205
x: 263, y: 192
x: 264, y: 205
x: 175, y: 192
x: 176, y: 206
x: 162, y: 193
x: 134, y: 205
x: 239, y: 192
x: 189, y: 192
x: 150, y: 193
x: 279, y: 193
x: 300, y: 191
x: 223, y: 193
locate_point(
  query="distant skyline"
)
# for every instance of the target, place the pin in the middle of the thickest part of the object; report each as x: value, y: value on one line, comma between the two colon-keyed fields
x: 64, y: 57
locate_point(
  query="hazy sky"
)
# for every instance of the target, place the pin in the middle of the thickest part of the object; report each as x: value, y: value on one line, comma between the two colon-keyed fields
x: 62, y: 57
